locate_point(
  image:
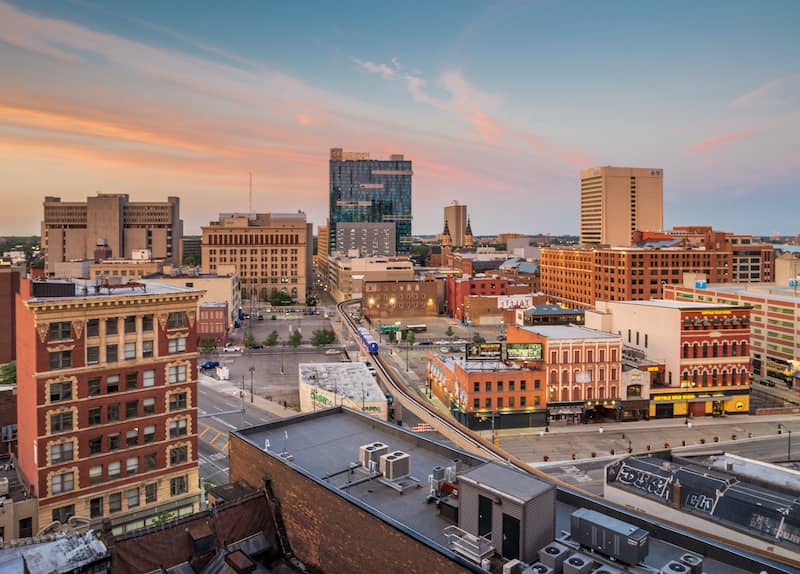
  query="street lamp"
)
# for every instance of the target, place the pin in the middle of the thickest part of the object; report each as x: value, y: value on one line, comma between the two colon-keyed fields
x: 781, y: 428
x: 252, y: 371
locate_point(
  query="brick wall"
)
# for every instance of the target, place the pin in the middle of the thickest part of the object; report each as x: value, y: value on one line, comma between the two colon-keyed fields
x: 329, y: 532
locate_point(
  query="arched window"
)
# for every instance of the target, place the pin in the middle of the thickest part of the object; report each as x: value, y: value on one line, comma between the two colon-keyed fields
x: 576, y: 393
x: 601, y: 392
x: 715, y: 377
x: 565, y: 377
x: 564, y: 393
x: 686, y: 350
x: 734, y: 349
x: 554, y: 377
x: 694, y: 377
x: 705, y: 378
x: 696, y: 349
x: 589, y: 392
x: 725, y: 348
x: 715, y: 350
x: 724, y: 378
x: 705, y: 350
x: 613, y: 391
x: 744, y: 349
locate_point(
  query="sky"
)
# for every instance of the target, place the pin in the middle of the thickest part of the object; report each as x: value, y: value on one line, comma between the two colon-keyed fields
x: 499, y: 105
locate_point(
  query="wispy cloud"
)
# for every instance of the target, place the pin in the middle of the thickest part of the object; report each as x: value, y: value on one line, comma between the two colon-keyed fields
x: 781, y: 91
x: 383, y: 70
x: 715, y: 142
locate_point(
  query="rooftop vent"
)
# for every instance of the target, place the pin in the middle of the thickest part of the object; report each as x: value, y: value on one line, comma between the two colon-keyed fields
x: 538, y: 568
x: 371, y: 453
x: 577, y: 564
x: 674, y: 567
x: 553, y: 555
x: 693, y: 561
x: 395, y: 465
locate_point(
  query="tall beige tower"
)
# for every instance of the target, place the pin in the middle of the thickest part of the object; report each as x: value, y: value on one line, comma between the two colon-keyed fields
x: 616, y: 201
x: 455, y: 215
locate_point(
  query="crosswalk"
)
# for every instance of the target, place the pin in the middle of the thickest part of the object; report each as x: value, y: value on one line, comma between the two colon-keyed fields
x: 215, y: 438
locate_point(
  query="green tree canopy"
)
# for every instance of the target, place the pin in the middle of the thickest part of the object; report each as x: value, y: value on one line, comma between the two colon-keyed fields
x: 271, y: 340
x: 295, y: 339
x: 449, y: 331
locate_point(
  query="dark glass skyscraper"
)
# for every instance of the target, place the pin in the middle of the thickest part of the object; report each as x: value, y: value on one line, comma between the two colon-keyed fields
x: 370, y: 190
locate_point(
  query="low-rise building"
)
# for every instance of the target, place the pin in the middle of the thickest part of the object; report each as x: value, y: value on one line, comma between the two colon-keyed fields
x: 212, y: 323
x: 548, y: 314
x: 703, y: 347
x: 325, y: 385
x: 9, y: 285
x: 459, y: 288
x: 490, y: 309
x: 347, y: 275
x: 398, y: 299
x: 126, y: 268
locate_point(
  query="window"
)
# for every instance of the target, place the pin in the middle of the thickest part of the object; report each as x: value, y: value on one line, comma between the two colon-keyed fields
x: 130, y: 324
x: 148, y: 406
x: 177, y: 401
x: 60, y: 331
x: 590, y: 356
x: 61, y: 422
x: 176, y: 320
x: 177, y: 374
x: 147, y: 323
x: 133, y: 497
x: 150, y: 493
x: 511, y: 386
x: 96, y: 474
x: 148, y: 378
x: 130, y: 351
x: 149, y: 433
x: 93, y: 328
x: 96, y: 444
x: 487, y: 403
x: 499, y: 402
x: 95, y: 418
x: 149, y: 461
x: 178, y: 485
x: 499, y: 386
x: 603, y: 355
x: 60, y: 392
x: 132, y: 465
x: 131, y: 381
x: 131, y: 409
x: 511, y: 402
x: 64, y: 482
x: 96, y: 507
x: 92, y: 355
x: 488, y: 386
x: 613, y: 355
x: 645, y: 340
x: 476, y: 403
x: 537, y: 384
x: 178, y: 455
x: 177, y: 428
x: 523, y: 401
x: 64, y: 513
x: 113, y: 413
x: 60, y: 360
x: 115, y: 502
x: 637, y: 337
x: 147, y: 349
x: 476, y: 387
x: 113, y: 441
x: 114, y: 470
x: 112, y: 384
x: 734, y: 349
x: 60, y: 452
x: 112, y: 326
x: 177, y: 345
x: 686, y: 350
x: 565, y: 357
x: 705, y: 350
x: 94, y: 388
x: 576, y: 356
x: 132, y: 437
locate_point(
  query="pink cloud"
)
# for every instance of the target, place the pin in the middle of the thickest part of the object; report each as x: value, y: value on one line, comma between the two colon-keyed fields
x: 720, y: 140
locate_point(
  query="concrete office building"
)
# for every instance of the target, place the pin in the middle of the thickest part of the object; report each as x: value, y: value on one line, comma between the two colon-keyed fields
x: 364, y: 190
x: 617, y: 201
x: 107, y: 400
x: 270, y: 251
x: 325, y: 385
x: 75, y: 230
x: 455, y: 216
x: 368, y: 239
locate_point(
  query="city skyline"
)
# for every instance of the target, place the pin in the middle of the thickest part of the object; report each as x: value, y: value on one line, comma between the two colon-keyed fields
x: 156, y: 100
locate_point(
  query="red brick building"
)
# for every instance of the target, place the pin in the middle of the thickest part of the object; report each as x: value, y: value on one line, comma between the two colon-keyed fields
x: 107, y: 400
x: 212, y: 319
x: 458, y: 288
x: 9, y: 285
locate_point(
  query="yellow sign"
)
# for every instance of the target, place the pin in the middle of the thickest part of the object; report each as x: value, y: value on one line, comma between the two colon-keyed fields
x: 673, y: 397
x: 715, y: 312
x: 652, y: 369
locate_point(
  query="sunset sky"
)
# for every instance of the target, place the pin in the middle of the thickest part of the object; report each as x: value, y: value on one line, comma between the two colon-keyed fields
x: 498, y: 105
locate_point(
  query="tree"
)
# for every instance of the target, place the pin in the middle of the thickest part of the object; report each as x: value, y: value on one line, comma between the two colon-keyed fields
x: 449, y: 331
x: 411, y: 338
x: 191, y: 261
x: 295, y: 339
x: 163, y: 517
x: 476, y: 338
x: 249, y: 341
x: 322, y: 337
x: 207, y: 344
x: 311, y: 301
x: 271, y: 340
x: 8, y: 374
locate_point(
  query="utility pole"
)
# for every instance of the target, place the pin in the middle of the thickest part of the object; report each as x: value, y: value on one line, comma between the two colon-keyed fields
x: 252, y: 370
x: 241, y: 397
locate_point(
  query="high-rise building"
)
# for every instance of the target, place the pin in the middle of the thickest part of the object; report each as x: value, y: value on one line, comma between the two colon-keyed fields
x: 455, y: 215
x: 107, y: 400
x: 617, y: 201
x: 9, y: 284
x: 364, y: 190
x: 111, y: 224
x: 270, y: 251
x: 368, y: 239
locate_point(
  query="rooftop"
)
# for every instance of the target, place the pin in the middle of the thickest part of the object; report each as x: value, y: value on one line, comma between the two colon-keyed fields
x: 476, y: 366
x: 669, y: 304
x: 548, y: 309
x: 566, y: 332
x: 507, y: 480
x: 766, y: 290
x: 352, y: 380
x: 91, y: 289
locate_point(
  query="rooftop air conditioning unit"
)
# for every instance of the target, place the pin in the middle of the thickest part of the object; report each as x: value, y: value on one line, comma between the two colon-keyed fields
x: 607, y: 570
x: 674, y: 567
x: 553, y: 555
x: 538, y: 568
x: 577, y: 564
x: 693, y: 561
x: 395, y: 465
x: 371, y: 453
x: 513, y: 567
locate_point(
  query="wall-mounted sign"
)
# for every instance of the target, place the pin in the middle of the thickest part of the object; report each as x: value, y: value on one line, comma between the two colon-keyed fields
x: 524, y: 351
x: 485, y: 351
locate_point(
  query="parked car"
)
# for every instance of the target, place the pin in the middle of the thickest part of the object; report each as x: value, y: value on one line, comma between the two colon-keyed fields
x: 501, y: 337
x: 332, y: 352
x: 231, y: 349
x: 444, y: 350
x: 209, y: 365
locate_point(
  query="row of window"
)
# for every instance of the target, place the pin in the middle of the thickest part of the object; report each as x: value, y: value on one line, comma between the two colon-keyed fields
x: 589, y: 353
x: 133, y: 497
x: 499, y: 386
x: 505, y: 402
x: 62, y: 391
x: 64, y: 421
x: 62, y: 330
x: 717, y: 378
x: 587, y: 375
x: 717, y: 349
x: 63, y: 359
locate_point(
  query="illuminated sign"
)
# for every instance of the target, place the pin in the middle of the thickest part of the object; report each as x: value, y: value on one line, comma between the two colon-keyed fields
x: 718, y: 312
x: 652, y: 369
x: 485, y: 351
x: 524, y: 351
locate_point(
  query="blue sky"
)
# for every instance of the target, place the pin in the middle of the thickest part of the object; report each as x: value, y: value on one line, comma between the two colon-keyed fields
x: 498, y: 104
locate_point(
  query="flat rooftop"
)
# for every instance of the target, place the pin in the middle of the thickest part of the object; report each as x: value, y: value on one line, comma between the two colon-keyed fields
x: 568, y: 332
x: 90, y: 289
x: 765, y: 290
x: 474, y: 366
x: 548, y: 309
x: 352, y: 380
x: 670, y: 304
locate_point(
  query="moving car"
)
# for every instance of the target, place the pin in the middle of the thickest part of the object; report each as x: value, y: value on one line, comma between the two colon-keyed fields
x: 209, y: 365
x: 231, y: 349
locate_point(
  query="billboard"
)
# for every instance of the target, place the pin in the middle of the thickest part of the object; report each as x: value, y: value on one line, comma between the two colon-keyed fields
x: 485, y: 351
x: 524, y: 351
